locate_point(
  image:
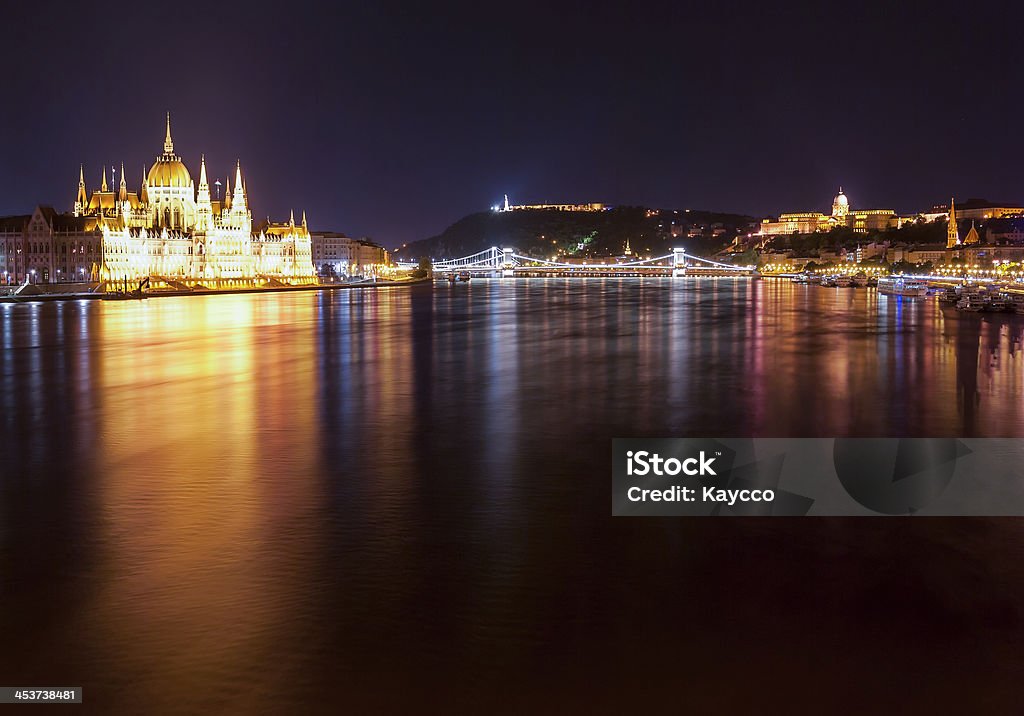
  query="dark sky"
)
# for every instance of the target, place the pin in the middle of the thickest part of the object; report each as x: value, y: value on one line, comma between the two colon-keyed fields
x: 393, y: 120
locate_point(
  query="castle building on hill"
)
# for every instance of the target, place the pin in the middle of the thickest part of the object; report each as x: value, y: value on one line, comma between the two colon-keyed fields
x: 860, y: 220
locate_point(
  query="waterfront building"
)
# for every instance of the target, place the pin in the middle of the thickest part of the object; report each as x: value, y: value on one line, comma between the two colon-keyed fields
x: 332, y: 252
x: 12, y: 231
x: 918, y: 254
x: 335, y: 254
x: 860, y: 220
x: 169, y: 230
x: 987, y: 256
x: 49, y: 247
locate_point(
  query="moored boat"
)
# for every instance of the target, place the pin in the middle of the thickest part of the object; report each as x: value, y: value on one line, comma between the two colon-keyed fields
x: 996, y: 303
x: 970, y: 303
x: 901, y: 286
x: 1015, y: 301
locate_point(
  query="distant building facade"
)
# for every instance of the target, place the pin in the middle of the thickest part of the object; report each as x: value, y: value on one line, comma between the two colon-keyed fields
x: 48, y: 247
x: 1006, y: 231
x: 974, y: 209
x: 861, y: 220
x: 335, y: 254
x: 593, y: 206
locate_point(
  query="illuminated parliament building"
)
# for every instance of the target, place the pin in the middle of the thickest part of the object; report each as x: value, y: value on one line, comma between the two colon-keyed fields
x: 170, y: 231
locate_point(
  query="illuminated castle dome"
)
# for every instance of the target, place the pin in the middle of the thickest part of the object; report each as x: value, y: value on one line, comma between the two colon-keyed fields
x: 841, y: 205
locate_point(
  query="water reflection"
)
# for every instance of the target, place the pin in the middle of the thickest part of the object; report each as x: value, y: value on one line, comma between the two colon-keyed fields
x: 381, y: 488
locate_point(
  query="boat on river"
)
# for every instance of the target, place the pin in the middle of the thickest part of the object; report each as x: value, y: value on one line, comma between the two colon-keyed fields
x: 902, y: 286
x: 970, y: 304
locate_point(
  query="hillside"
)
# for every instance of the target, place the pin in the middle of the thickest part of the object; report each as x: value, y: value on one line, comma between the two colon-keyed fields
x: 547, y: 232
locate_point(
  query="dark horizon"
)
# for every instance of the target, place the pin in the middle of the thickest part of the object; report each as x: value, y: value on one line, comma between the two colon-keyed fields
x: 393, y: 122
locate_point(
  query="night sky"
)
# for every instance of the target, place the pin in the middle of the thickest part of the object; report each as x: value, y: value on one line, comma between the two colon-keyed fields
x: 394, y: 120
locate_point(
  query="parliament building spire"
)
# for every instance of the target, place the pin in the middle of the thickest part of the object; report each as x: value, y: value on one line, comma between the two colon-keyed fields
x: 168, y: 142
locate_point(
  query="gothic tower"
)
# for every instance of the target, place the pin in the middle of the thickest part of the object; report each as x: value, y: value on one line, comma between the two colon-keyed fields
x: 952, y: 235
x: 204, y: 207
x: 82, y: 201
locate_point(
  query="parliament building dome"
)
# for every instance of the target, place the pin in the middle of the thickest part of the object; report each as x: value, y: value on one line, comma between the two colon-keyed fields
x: 168, y: 170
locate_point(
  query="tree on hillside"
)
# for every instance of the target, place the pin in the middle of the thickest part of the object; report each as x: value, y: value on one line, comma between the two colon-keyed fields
x: 423, y: 268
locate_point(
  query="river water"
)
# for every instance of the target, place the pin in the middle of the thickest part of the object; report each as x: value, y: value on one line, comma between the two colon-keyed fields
x: 399, y: 500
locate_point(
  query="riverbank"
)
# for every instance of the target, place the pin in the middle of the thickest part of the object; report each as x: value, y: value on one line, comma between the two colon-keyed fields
x: 85, y: 296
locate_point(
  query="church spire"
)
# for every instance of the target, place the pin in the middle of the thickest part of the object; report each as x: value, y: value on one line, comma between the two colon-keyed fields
x: 168, y: 142
x: 123, y: 195
x: 973, y: 237
x: 304, y: 220
x: 291, y: 219
x: 202, y: 172
x: 952, y: 235
x: 103, y: 186
x: 82, y: 201
x: 81, y: 185
x: 227, y: 193
x: 143, y: 191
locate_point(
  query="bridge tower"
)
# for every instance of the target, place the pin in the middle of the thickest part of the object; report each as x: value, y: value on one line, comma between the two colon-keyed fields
x: 678, y: 263
x: 507, y: 263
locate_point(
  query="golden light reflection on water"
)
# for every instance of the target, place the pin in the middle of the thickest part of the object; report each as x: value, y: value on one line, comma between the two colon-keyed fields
x: 209, y: 409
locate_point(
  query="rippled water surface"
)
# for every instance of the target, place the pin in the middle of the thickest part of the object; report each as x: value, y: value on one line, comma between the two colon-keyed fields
x: 400, y: 500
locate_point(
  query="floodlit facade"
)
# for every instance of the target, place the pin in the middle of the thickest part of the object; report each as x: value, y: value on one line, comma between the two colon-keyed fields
x: 860, y: 220
x: 171, y: 229
x: 335, y: 254
x: 506, y: 206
